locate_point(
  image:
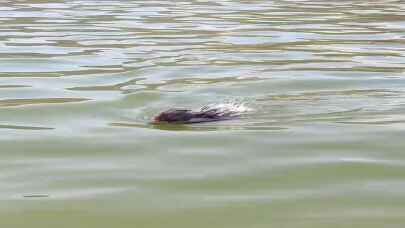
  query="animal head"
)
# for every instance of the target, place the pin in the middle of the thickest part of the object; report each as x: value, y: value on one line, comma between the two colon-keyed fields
x: 174, y: 115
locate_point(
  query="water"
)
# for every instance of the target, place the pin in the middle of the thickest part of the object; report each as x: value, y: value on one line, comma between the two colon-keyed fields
x: 321, y: 147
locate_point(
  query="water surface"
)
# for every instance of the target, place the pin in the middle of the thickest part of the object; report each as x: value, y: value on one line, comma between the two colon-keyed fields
x: 322, y: 147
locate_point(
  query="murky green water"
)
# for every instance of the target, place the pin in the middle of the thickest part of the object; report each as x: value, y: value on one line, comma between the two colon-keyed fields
x: 323, y: 147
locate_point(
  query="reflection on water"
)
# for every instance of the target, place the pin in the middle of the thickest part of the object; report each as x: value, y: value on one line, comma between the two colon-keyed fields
x: 81, y: 80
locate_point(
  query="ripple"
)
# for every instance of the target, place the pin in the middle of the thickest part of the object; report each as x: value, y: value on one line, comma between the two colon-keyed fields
x: 15, y: 127
x: 203, y: 127
x: 23, y: 102
x: 12, y: 86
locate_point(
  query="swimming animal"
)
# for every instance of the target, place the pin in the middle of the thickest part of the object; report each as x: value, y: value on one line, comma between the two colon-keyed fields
x: 187, y: 116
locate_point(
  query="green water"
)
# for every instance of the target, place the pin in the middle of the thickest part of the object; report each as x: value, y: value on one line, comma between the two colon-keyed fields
x: 322, y: 147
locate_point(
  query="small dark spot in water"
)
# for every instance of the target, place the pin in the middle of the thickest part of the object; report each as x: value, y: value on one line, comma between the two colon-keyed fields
x: 35, y: 196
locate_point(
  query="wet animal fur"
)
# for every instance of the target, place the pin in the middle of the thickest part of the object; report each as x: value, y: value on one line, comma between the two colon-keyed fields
x: 186, y: 116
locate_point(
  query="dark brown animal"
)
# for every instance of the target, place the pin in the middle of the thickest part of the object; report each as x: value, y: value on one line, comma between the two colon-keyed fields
x: 186, y: 116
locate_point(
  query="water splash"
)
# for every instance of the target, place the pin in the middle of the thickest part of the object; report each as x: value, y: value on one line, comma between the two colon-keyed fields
x: 229, y: 107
